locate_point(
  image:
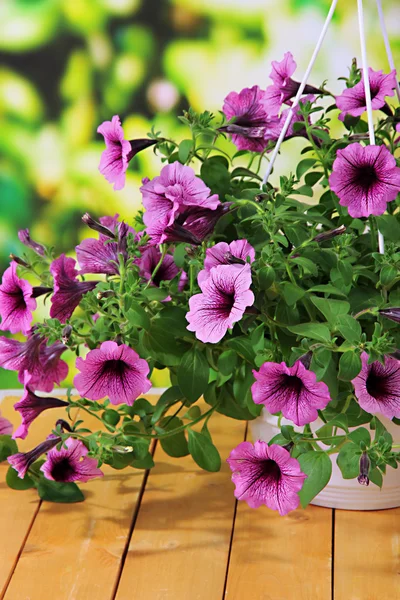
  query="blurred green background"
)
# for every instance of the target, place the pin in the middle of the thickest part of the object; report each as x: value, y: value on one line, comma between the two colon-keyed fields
x: 67, y: 65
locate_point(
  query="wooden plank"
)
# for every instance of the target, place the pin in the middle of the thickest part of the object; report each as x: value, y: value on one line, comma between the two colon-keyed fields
x: 367, y: 555
x: 75, y: 550
x: 18, y: 509
x: 280, y: 558
x: 180, y: 546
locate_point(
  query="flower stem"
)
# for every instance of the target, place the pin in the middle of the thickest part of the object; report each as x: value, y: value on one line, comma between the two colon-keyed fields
x: 164, y: 250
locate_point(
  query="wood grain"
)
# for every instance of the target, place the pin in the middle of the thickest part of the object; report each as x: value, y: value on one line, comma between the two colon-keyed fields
x: 280, y: 558
x: 74, y: 551
x: 367, y: 555
x: 180, y: 545
x: 18, y: 509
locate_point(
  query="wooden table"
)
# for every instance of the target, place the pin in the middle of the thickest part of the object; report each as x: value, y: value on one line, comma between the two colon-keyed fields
x: 177, y: 533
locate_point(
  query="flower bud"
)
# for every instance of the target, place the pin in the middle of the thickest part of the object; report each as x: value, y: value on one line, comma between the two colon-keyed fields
x: 105, y: 294
x: 25, y: 238
x: 391, y: 313
x: 65, y: 426
x: 40, y: 290
x: 96, y: 226
x: 306, y: 359
x: 365, y: 463
x: 19, y: 260
x: 233, y: 260
x: 329, y: 235
x: 66, y: 333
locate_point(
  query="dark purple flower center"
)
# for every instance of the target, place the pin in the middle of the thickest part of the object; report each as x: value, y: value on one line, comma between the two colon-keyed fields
x: 271, y: 470
x: 62, y: 470
x: 378, y: 385
x: 292, y: 384
x: 226, y: 302
x: 115, y: 368
x: 262, y: 472
x: 19, y: 300
x: 366, y: 176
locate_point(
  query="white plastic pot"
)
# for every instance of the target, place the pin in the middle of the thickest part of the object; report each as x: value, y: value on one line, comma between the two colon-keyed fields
x: 342, y: 493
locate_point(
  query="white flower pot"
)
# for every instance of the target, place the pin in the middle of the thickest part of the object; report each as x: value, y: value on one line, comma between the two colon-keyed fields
x: 342, y: 493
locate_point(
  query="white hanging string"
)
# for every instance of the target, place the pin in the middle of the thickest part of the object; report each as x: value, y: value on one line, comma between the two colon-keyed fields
x: 368, y: 101
x: 387, y: 45
x: 299, y: 93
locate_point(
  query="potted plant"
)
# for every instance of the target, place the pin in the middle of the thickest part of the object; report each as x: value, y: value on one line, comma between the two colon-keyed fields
x: 273, y: 302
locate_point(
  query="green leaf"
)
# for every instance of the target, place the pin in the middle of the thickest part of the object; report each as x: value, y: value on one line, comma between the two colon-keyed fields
x: 15, y: 483
x: 54, y: 491
x: 348, y: 460
x: 350, y: 328
x: 203, y: 451
x: 349, y: 365
x: 214, y: 172
x: 304, y: 166
x: 361, y: 435
x: 8, y: 447
x: 307, y: 264
x: 376, y: 477
x: 172, y: 318
x: 143, y: 463
x: 175, y: 445
x: 318, y: 468
x: 138, y: 317
x: 304, y: 190
x: 243, y: 346
x: 389, y: 226
x: 155, y: 293
x: 327, y: 289
x: 170, y: 396
x: 185, y: 148
x: 321, y: 134
x: 312, y: 178
x: 227, y: 362
x: 193, y: 374
x: 292, y: 293
x: 315, y: 331
x: 331, y: 309
x: 266, y: 277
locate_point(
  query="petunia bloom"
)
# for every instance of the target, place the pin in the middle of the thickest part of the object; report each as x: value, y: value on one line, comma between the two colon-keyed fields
x: 365, y: 178
x: 192, y: 226
x: 113, y: 371
x: 25, y: 238
x: 102, y: 255
x: 175, y: 191
x: 68, y: 290
x: 225, y: 295
x: 226, y: 254
x: 294, y: 391
x: 252, y: 122
x: 166, y: 272
x: 16, y: 302
x: 254, y: 126
x: 352, y: 100
x: 119, y: 151
x: 377, y: 386
x: 23, y: 460
x: 35, y: 358
x: 266, y: 475
x: 6, y: 427
x: 31, y: 406
x: 70, y: 463
x: 284, y: 87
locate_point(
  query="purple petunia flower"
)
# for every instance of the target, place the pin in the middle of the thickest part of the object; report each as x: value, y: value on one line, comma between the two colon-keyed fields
x: 254, y: 126
x: 224, y: 298
x: 119, y: 151
x: 284, y: 87
x: 16, y: 302
x: 31, y: 406
x: 102, y: 255
x: 294, y: 391
x: 34, y: 357
x: 377, y: 387
x: 226, y: 254
x: 175, y: 191
x: 25, y: 238
x: 352, y: 100
x: 252, y: 121
x: 166, y: 272
x: 68, y: 291
x: 70, y: 463
x: 266, y: 475
x: 23, y: 460
x: 6, y: 427
x: 113, y: 371
x: 365, y: 178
